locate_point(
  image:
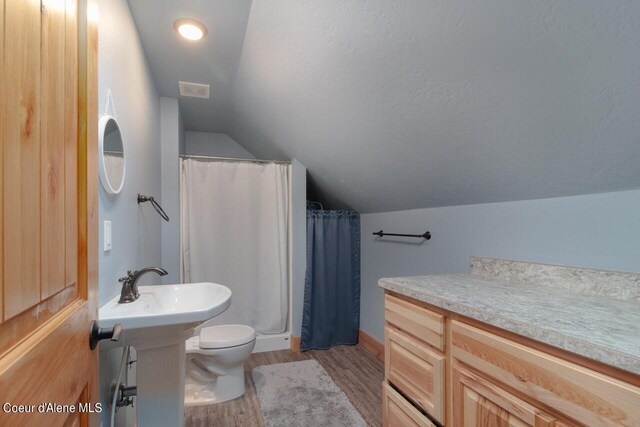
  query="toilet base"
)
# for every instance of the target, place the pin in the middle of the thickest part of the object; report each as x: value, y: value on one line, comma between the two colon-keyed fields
x: 224, y: 388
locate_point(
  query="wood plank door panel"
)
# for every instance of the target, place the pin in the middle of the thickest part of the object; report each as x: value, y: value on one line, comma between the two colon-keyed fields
x: 21, y: 165
x: 52, y: 143
x: 40, y: 197
x: 48, y: 210
x: 71, y: 144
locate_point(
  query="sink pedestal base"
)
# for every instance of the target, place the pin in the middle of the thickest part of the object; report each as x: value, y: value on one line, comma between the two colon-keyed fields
x: 160, y: 381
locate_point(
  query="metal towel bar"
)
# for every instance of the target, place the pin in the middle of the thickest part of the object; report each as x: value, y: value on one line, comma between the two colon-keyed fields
x: 426, y: 235
x: 142, y: 198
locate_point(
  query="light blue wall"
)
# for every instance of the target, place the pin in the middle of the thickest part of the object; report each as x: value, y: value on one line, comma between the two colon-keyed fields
x: 214, y: 144
x: 170, y: 136
x: 598, y: 231
x: 123, y: 69
x: 136, y: 229
x: 182, y: 142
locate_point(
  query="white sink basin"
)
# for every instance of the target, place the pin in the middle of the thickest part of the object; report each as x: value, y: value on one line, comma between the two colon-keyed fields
x: 157, y: 325
x: 162, y: 305
x: 163, y: 313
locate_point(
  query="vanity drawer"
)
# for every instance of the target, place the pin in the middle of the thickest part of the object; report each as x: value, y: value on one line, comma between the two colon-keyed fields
x: 397, y: 412
x: 416, y: 370
x: 587, y: 396
x: 416, y: 320
x: 479, y: 402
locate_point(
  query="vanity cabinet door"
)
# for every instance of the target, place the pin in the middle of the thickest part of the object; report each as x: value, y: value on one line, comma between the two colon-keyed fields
x: 416, y: 370
x: 478, y: 402
x: 574, y: 391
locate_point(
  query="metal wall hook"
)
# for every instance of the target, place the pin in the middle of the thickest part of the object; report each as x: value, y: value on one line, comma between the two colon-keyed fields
x: 142, y: 198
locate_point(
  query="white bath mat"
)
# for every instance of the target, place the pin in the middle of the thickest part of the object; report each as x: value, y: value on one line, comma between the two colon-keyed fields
x: 302, y: 394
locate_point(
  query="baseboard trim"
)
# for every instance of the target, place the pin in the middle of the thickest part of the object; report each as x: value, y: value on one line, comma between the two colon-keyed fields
x: 367, y: 342
x: 370, y: 344
x: 295, y: 344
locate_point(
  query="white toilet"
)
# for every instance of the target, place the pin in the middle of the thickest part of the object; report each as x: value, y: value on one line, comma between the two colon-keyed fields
x: 215, y: 363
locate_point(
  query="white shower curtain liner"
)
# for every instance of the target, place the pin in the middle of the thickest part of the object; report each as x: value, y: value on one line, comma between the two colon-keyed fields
x: 235, y: 232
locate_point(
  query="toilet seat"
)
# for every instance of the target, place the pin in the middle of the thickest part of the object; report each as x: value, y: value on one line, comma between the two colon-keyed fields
x: 225, y: 336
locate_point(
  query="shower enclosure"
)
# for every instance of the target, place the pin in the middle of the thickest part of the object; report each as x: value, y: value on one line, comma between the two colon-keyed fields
x: 235, y: 230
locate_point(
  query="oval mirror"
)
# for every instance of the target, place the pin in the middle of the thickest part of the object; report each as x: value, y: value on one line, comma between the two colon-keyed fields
x: 111, y: 155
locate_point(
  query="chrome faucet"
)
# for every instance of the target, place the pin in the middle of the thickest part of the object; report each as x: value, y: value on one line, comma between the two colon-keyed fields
x: 129, y: 282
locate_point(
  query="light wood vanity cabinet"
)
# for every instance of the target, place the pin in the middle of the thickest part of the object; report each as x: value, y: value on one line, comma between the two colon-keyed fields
x: 441, y: 370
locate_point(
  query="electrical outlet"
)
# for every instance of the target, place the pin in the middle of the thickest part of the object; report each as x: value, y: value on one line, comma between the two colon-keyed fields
x: 107, y: 236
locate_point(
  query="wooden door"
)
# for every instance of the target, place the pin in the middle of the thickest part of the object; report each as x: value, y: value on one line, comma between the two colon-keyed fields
x: 478, y: 402
x: 48, y: 211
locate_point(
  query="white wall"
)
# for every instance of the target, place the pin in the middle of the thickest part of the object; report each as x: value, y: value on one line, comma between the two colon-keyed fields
x: 214, y: 144
x: 598, y: 231
x: 136, y: 228
x: 170, y: 140
x: 298, y: 243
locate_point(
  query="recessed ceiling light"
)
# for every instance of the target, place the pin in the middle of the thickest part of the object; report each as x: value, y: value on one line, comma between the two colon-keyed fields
x: 190, y: 29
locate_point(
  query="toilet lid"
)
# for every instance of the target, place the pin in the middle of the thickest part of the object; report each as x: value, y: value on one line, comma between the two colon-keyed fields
x: 226, y: 336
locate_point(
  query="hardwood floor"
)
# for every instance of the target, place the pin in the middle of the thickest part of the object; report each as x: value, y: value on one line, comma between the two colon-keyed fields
x: 358, y: 373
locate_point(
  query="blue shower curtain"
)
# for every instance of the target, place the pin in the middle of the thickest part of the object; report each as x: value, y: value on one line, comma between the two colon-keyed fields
x: 331, y: 313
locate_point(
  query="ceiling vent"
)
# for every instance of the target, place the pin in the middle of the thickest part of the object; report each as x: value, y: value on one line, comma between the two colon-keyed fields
x: 194, y: 90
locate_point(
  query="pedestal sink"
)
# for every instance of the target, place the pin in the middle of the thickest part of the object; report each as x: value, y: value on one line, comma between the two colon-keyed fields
x: 157, y: 325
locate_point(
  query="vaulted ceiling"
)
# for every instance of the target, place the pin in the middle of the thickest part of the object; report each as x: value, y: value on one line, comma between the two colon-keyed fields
x: 418, y: 103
